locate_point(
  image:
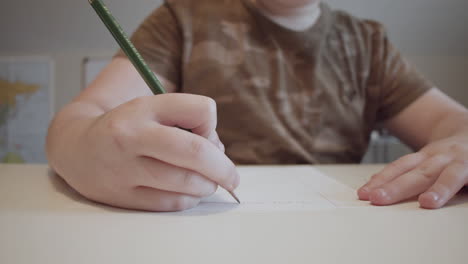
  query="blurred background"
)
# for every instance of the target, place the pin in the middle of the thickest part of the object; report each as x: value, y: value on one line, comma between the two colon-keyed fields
x: 50, y: 49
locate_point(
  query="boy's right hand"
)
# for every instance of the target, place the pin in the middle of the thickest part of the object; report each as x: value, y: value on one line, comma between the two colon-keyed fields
x: 136, y: 156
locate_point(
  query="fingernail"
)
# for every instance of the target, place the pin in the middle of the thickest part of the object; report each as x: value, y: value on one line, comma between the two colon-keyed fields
x: 365, y: 190
x: 382, y: 194
x: 434, y: 196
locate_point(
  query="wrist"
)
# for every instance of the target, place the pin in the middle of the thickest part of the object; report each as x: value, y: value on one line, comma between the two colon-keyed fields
x: 453, y: 126
x: 66, y: 131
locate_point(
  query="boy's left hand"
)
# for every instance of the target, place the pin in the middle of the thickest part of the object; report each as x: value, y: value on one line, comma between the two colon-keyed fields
x: 435, y: 174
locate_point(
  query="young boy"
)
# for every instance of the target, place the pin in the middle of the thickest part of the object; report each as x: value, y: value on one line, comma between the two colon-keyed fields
x: 280, y: 82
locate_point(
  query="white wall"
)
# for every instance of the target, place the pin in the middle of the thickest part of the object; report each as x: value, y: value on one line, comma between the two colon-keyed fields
x: 431, y: 33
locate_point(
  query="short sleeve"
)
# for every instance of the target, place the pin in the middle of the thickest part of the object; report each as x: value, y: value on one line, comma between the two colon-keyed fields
x: 158, y: 39
x: 398, y: 82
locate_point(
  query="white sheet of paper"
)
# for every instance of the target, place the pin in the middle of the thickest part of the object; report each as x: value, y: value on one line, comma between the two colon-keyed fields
x: 280, y: 188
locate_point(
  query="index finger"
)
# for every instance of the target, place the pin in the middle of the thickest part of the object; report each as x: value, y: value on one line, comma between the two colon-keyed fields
x: 390, y: 172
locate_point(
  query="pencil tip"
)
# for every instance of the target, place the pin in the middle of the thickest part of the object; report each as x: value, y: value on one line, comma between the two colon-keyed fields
x: 234, y: 196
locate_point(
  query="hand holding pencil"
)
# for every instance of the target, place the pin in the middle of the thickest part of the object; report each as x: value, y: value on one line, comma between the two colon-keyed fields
x: 126, y: 45
x: 118, y: 144
x: 133, y: 156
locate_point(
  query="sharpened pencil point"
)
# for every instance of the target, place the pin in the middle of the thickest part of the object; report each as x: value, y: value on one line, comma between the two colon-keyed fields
x: 234, y: 196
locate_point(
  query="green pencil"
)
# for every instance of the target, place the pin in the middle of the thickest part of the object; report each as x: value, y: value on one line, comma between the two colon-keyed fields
x: 127, y: 46
x: 133, y: 55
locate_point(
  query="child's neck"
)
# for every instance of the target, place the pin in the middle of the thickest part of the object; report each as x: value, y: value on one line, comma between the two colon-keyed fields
x: 294, y: 18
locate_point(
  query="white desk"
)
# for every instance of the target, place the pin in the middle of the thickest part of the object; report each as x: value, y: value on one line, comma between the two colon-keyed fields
x: 43, y: 221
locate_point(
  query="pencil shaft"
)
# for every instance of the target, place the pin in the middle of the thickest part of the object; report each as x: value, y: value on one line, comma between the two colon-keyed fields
x: 127, y: 46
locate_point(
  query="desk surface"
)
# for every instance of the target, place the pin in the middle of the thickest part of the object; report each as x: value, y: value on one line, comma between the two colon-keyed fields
x: 43, y: 221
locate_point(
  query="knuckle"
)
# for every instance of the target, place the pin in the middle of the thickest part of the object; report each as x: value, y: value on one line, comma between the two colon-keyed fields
x: 458, y: 149
x: 195, y: 185
x: 210, y: 105
x: 412, y: 159
x: 182, y: 203
x: 189, y: 179
x: 207, y: 189
x: 440, y: 159
x: 120, y: 132
x: 196, y: 147
x: 424, y: 169
x: 420, y: 155
x: 179, y: 204
x: 395, y: 166
x: 137, y: 102
x: 426, y: 173
x: 212, y: 189
x: 375, y: 176
x: 430, y: 168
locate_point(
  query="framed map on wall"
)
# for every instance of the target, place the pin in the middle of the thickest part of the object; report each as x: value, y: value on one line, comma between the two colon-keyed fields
x: 26, y: 92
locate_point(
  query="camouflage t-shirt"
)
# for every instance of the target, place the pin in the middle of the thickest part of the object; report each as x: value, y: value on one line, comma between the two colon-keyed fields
x: 283, y: 96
